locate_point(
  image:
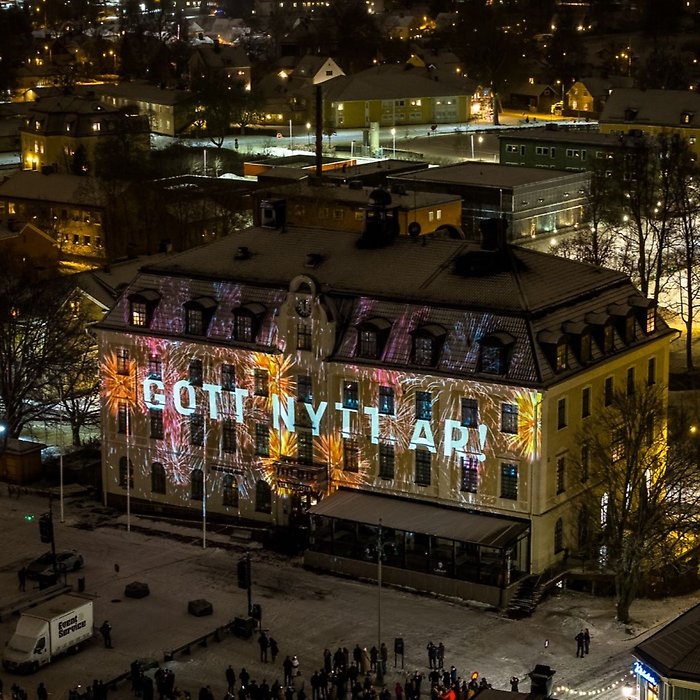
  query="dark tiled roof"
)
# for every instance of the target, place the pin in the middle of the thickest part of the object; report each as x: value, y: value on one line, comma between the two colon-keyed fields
x: 452, y: 285
x: 658, y: 107
x: 674, y: 651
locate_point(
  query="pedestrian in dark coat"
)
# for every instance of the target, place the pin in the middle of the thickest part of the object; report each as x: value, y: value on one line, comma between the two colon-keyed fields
x: 244, y: 677
x: 514, y: 680
x: 287, y: 668
x: 106, y: 632
x: 263, y: 643
x: 432, y: 654
x: 230, y: 678
x: 327, y: 660
x: 580, y: 644
x: 586, y: 640
x: 440, y: 653
x: 274, y: 649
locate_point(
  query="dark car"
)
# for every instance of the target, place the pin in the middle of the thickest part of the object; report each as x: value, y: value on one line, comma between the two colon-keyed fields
x: 43, y: 565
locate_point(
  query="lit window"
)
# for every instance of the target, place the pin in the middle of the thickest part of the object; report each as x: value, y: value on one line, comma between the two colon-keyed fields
x: 470, y: 413
x: 386, y: 401
x: 139, y: 313
x: 651, y: 320
x: 509, y: 418
x: 260, y: 382
x: 424, y: 405
x: 617, y: 444
x: 351, y: 397
x: 469, y: 468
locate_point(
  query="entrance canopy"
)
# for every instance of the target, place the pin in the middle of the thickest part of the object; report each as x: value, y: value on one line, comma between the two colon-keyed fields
x: 412, y: 516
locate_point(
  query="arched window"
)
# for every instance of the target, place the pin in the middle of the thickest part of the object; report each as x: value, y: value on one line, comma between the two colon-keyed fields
x: 122, y: 473
x: 197, y: 478
x: 558, y: 536
x: 230, y: 486
x: 263, y: 497
x: 157, y: 478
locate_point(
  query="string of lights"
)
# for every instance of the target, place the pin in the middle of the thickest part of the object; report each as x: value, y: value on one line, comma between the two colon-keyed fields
x: 625, y: 681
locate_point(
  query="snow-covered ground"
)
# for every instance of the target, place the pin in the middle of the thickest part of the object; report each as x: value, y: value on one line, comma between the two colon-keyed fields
x: 304, y: 611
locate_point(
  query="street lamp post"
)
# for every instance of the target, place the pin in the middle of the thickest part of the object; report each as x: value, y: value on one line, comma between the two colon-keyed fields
x: 380, y: 554
x: 393, y: 139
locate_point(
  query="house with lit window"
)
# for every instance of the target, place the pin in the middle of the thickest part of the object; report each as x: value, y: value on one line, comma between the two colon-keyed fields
x: 651, y: 112
x: 438, y: 391
x: 397, y: 95
x: 221, y: 61
x: 666, y: 664
x: 61, y: 132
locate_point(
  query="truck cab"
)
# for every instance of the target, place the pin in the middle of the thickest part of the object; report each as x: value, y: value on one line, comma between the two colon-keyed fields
x: 28, y: 649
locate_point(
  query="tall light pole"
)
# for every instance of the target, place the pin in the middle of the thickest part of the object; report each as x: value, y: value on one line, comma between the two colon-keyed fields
x: 128, y: 468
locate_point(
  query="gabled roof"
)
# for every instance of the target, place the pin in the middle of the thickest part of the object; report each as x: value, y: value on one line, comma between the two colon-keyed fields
x: 532, y: 89
x: 601, y: 87
x: 674, y: 651
x: 658, y: 107
x: 391, y: 81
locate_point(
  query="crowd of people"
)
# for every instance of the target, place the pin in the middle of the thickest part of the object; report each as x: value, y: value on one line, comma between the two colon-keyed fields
x: 341, y: 675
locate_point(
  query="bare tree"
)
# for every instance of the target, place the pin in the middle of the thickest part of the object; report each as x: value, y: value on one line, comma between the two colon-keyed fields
x: 645, y: 484
x: 41, y: 338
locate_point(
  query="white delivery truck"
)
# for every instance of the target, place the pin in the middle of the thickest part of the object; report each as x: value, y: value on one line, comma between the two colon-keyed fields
x: 52, y: 628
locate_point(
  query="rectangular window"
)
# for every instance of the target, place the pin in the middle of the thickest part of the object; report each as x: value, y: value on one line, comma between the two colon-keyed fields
x: 609, y: 390
x: 243, y: 328
x: 262, y: 440
x: 424, y: 463
x: 196, y: 373
x: 122, y: 361
x: 123, y: 419
x: 561, y: 474
x: 155, y: 367
x: 194, y: 321
x: 651, y: 371
x: 351, y: 455
x: 630, y: 381
x: 509, y: 418
x: 617, y: 444
x: 386, y: 401
x: 304, y: 389
x: 228, y: 435
x: 586, y: 402
x: 424, y: 405
x: 261, y: 382
x: 386, y: 460
x: 228, y: 377
x: 139, y: 313
x: 423, y: 350
x: 470, y: 413
x: 303, y: 336
x: 562, y: 356
x: 469, y: 468
x: 561, y: 414
x: 157, y: 478
x: 155, y: 416
x: 509, y: 481
x: 197, y: 429
x: 369, y: 346
x: 351, y: 396
x: 608, y: 338
x: 651, y: 320
x: 305, y: 446
x: 585, y: 461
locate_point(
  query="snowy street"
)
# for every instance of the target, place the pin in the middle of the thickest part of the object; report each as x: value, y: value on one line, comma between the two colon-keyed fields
x: 303, y: 611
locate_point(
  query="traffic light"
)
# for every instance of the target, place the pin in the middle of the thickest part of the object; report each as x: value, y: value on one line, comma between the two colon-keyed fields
x: 243, y: 569
x: 46, y: 528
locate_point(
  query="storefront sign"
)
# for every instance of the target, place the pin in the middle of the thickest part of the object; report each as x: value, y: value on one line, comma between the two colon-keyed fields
x: 642, y: 671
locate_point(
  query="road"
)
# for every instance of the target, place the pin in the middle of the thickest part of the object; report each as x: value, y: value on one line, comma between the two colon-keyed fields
x: 303, y: 610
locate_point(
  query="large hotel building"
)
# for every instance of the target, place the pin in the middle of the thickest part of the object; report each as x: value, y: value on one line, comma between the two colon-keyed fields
x: 440, y: 386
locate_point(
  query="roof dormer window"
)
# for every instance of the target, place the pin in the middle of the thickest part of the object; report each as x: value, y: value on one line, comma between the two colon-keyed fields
x: 246, y: 322
x: 495, y: 351
x: 198, y: 315
x: 687, y: 117
x: 372, y: 337
x: 142, y: 304
x: 427, y: 343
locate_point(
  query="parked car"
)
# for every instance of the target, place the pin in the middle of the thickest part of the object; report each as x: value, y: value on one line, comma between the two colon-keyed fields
x: 43, y: 565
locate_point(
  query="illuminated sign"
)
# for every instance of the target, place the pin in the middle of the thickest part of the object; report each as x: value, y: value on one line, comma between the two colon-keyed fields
x: 184, y: 399
x: 643, y: 672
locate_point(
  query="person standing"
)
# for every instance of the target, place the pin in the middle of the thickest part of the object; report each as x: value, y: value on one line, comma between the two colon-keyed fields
x: 586, y: 640
x: 432, y: 654
x: 287, y: 668
x: 106, y: 632
x: 514, y: 680
x: 42, y: 693
x: 263, y: 643
x: 230, y: 678
x: 383, y: 657
x: 440, y: 651
x: 274, y: 649
x: 580, y: 637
